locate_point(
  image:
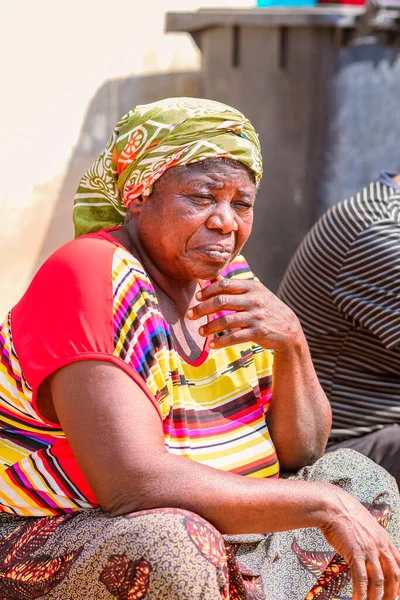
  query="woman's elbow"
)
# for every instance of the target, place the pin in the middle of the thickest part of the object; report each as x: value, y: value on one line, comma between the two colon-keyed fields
x: 122, y: 501
x: 302, y: 457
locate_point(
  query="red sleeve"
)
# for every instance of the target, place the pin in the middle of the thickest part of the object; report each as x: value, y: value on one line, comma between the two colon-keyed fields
x: 66, y: 313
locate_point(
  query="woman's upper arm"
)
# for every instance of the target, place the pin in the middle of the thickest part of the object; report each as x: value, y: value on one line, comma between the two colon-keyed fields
x: 113, y: 428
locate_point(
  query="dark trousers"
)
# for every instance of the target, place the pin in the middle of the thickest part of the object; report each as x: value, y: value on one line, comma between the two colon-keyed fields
x: 383, y: 447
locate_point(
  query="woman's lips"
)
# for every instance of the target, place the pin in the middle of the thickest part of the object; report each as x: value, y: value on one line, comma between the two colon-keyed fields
x: 217, y: 252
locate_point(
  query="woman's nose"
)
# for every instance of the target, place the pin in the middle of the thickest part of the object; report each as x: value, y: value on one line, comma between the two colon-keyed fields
x: 222, y: 218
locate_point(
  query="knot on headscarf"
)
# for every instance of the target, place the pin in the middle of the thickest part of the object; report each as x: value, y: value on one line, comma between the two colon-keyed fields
x: 152, y: 138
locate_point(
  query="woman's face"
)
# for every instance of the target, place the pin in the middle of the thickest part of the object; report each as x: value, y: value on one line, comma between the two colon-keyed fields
x: 196, y: 220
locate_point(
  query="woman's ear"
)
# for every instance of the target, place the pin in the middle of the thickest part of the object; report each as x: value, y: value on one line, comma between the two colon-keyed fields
x: 136, y: 205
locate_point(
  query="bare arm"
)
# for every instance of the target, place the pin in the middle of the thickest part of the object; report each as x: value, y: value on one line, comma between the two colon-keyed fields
x: 299, y: 417
x: 116, y: 436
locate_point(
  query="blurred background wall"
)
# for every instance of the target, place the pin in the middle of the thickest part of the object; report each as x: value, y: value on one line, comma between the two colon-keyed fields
x: 68, y: 72
x: 324, y: 97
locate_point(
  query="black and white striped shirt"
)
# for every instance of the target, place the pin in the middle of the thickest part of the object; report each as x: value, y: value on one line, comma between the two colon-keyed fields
x: 344, y: 285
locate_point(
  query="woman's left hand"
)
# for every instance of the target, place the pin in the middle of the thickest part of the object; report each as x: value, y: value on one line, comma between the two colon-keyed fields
x: 258, y: 315
x: 299, y: 416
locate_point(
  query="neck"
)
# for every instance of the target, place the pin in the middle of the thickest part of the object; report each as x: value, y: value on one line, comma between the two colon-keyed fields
x: 397, y: 179
x: 179, y: 292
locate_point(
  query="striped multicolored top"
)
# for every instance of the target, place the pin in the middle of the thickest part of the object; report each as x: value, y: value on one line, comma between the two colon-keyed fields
x: 93, y: 300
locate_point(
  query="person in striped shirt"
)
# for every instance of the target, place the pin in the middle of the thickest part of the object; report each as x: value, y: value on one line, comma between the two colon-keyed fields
x: 344, y: 285
x: 152, y: 390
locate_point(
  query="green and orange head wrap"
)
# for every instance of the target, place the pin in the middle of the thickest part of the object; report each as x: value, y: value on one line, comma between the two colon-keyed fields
x: 149, y: 140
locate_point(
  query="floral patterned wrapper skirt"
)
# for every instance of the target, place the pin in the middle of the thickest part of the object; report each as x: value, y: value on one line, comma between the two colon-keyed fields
x: 173, y: 554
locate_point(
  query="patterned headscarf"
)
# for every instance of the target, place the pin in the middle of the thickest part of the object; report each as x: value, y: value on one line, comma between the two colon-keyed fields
x: 149, y: 140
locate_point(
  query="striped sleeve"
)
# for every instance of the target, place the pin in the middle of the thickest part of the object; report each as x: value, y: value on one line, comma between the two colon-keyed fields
x: 367, y: 288
x: 239, y: 269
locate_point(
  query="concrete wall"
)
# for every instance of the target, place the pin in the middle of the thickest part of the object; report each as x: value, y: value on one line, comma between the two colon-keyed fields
x: 69, y: 71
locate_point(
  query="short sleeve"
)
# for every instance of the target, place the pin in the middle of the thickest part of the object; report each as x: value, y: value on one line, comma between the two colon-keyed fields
x: 367, y: 288
x: 66, y: 313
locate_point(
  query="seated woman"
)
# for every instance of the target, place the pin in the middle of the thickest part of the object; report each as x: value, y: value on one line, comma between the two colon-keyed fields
x: 151, y: 390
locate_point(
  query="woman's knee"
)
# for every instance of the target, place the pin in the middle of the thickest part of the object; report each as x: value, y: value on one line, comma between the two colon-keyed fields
x: 160, y: 522
x: 183, y: 553
x: 168, y: 533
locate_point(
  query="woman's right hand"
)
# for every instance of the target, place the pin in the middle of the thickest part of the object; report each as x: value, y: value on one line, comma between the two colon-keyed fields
x: 367, y: 548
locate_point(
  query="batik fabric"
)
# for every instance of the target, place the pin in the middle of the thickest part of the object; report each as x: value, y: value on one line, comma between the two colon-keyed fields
x: 174, y: 554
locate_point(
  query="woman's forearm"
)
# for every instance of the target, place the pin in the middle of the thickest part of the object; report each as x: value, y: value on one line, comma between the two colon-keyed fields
x: 116, y: 436
x: 232, y: 503
x: 299, y: 418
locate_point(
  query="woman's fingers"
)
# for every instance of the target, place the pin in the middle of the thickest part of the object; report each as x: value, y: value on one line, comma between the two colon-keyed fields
x: 222, y: 294
x: 374, y: 575
x: 273, y: 324
x: 236, y: 320
x: 240, y: 336
x: 216, y: 304
x: 231, y: 294
x: 359, y: 578
x: 225, y: 286
x: 391, y: 574
x: 376, y: 579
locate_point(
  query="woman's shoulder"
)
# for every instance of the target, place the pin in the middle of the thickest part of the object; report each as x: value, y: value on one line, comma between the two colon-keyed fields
x: 69, y: 309
x: 81, y: 265
x: 86, y: 252
x: 75, y: 281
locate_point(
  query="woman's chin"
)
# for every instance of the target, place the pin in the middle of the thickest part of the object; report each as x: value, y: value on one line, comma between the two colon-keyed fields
x: 208, y: 273
x: 201, y: 267
x: 210, y: 264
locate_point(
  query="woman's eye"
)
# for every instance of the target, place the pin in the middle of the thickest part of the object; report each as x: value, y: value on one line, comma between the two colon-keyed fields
x: 202, y: 198
x: 243, y: 206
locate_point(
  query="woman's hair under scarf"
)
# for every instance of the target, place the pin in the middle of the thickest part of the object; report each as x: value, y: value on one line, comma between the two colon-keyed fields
x: 150, y: 139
